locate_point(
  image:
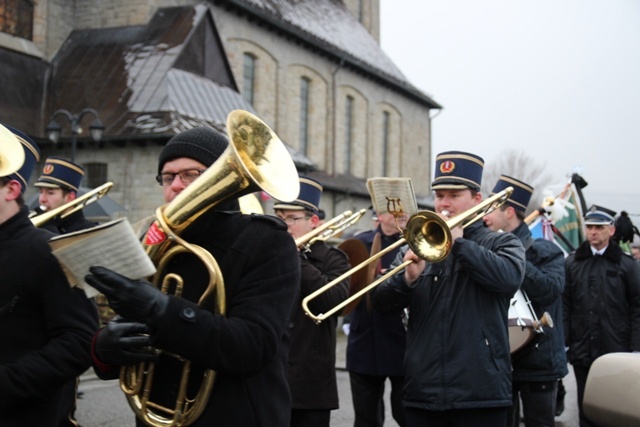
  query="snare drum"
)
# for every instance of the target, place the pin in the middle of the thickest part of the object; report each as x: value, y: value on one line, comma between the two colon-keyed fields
x: 523, y: 323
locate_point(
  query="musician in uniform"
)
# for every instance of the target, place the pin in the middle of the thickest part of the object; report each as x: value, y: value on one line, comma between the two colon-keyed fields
x: 457, y: 360
x: 312, y: 358
x: 45, y: 329
x: 538, y: 366
x: 376, y: 343
x: 601, y: 299
x: 247, y: 347
x: 58, y: 185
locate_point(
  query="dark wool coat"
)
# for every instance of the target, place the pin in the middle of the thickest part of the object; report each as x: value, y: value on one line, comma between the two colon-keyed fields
x: 248, y: 347
x: 312, y: 359
x: 74, y: 222
x: 545, y: 360
x: 376, y: 342
x: 45, y: 327
x: 457, y: 354
x: 601, y: 304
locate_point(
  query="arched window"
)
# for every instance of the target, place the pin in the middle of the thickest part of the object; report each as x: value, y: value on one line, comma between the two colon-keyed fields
x: 386, y: 123
x: 348, y: 138
x: 305, y: 86
x: 16, y: 18
x: 249, y: 77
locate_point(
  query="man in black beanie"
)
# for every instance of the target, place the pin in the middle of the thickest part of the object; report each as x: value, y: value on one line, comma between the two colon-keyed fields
x: 247, y: 347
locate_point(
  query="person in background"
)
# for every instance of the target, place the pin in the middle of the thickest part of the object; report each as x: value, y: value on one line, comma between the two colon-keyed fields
x: 376, y: 343
x: 537, y: 367
x: 601, y: 299
x: 45, y: 328
x: 312, y: 358
x: 248, y: 346
x: 58, y: 185
x: 457, y: 360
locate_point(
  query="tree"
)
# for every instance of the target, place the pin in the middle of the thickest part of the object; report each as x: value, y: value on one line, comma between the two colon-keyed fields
x: 522, y: 167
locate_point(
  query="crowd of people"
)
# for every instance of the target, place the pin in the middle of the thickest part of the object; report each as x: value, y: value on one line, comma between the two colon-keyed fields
x: 438, y: 330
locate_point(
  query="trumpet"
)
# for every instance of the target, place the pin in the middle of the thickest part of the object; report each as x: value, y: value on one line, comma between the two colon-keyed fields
x: 428, y: 236
x: 73, y: 206
x: 11, y: 154
x: 330, y: 229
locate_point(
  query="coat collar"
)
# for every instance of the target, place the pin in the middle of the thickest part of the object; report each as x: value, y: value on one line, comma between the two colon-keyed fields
x: 613, y: 252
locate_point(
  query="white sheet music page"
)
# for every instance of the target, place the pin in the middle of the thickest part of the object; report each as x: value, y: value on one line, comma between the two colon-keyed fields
x: 113, y: 245
x: 388, y: 194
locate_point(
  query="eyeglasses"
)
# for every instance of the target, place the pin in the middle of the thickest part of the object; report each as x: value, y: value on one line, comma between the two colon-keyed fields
x: 187, y: 176
x: 290, y: 220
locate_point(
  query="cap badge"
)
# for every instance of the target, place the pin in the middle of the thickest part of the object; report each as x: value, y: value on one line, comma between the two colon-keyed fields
x: 447, y: 166
x: 47, y: 169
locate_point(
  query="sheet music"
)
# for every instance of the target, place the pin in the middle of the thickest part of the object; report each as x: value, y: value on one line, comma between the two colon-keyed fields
x: 387, y: 192
x: 113, y: 245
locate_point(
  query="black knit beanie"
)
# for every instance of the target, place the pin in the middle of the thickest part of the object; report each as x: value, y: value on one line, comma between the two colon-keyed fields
x: 202, y: 144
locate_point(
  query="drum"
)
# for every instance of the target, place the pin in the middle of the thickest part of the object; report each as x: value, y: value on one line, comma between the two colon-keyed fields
x: 523, y: 322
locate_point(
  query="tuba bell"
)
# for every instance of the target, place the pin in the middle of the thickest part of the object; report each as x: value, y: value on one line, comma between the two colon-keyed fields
x: 11, y: 152
x: 255, y: 160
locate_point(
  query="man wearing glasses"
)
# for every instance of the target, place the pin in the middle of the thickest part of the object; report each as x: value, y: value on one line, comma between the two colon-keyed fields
x: 312, y: 357
x: 247, y: 347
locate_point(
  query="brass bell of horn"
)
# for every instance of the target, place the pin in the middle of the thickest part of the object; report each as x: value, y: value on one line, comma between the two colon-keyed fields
x: 11, y: 152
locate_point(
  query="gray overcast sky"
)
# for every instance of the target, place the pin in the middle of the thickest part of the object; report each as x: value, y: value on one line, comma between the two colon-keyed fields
x: 557, y: 79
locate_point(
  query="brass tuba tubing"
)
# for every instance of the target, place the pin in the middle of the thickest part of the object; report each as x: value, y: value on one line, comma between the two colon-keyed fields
x: 73, y: 206
x: 427, y: 234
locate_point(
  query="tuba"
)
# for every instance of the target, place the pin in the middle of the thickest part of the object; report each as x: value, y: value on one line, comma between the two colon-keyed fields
x: 11, y: 152
x: 256, y: 160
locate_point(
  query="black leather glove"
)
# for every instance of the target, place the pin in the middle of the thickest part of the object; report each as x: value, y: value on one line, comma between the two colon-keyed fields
x: 124, y: 343
x: 135, y: 300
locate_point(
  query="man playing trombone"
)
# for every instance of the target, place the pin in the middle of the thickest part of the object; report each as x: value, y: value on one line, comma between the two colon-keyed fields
x: 58, y: 185
x: 536, y: 368
x: 457, y: 361
x: 312, y: 357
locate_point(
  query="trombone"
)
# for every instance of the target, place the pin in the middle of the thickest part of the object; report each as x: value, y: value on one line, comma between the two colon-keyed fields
x: 427, y: 234
x: 73, y: 206
x: 330, y: 228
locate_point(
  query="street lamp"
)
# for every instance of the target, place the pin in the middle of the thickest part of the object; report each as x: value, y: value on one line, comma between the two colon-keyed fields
x: 54, y: 129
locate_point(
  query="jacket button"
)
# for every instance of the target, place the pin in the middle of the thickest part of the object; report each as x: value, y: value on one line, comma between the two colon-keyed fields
x: 189, y: 314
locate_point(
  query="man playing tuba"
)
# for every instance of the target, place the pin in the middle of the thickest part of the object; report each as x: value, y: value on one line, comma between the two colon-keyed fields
x: 247, y: 348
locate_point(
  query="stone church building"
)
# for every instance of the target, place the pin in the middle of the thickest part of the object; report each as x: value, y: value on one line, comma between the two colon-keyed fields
x: 312, y: 70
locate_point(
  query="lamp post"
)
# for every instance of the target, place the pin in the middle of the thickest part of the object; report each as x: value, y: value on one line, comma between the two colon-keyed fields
x: 54, y: 129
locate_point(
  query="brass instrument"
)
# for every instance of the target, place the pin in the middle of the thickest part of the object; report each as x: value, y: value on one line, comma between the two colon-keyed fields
x: 75, y: 205
x: 330, y: 229
x: 256, y: 160
x: 428, y: 236
x: 11, y: 152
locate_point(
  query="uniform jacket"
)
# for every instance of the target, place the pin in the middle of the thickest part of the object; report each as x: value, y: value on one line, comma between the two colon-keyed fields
x: 45, y: 327
x: 312, y: 359
x: 601, y: 303
x: 545, y: 360
x: 247, y: 347
x: 457, y: 354
x: 74, y: 222
x: 376, y: 343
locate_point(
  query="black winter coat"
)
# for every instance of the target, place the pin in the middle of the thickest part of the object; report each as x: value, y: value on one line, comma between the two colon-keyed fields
x: 312, y: 359
x: 74, y: 222
x: 601, y: 304
x: 543, y: 282
x: 457, y: 353
x: 248, y: 347
x: 45, y: 327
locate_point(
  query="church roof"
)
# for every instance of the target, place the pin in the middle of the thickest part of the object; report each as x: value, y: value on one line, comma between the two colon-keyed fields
x: 327, y: 25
